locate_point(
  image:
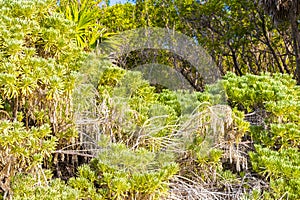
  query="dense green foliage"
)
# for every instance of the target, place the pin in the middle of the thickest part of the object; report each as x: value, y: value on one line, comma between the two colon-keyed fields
x: 85, y: 16
x: 251, y: 92
x: 117, y: 173
x: 37, y: 74
x: 277, y: 140
x: 65, y: 107
x: 38, y: 64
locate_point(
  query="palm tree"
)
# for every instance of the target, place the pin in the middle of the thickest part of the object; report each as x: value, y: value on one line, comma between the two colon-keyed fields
x: 85, y: 14
x: 287, y: 11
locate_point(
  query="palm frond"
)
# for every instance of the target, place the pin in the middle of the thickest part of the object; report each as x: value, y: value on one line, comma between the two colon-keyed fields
x: 84, y: 14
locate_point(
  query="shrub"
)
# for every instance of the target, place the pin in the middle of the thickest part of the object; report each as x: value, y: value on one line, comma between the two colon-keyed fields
x: 280, y: 168
x: 137, y: 174
x: 116, y: 173
x: 38, y: 65
x: 23, y: 150
x: 250, y: 92
x: 276, y: 155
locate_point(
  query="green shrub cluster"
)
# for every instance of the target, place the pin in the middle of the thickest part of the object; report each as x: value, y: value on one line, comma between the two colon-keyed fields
x: 250, y: 92
x: 276, y: 155
x: 147, y: 137
x: 38, y: 64
x: 116, y: 173
x: 281, y: 168
x: 23, y: 151
x: 142, y: 109
x: 137, y: 174
x: 171, y: 119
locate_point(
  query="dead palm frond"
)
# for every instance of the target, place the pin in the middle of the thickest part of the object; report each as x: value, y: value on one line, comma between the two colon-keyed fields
x: 281, y: 10
x: 287, y: 11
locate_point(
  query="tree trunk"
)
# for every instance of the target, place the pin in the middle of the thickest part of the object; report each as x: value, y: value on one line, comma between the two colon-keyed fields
x: 268, y: 43
x: 296, y: 41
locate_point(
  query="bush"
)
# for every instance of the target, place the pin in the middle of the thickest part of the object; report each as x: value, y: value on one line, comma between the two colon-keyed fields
x: 38, y: 65
x: 250, y: 92
x: 23, y: 150
x: 276, y: 155
x: 280, y: 168
x: 116, y: 173
x: 137, y: 174
x: 38, y: 70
